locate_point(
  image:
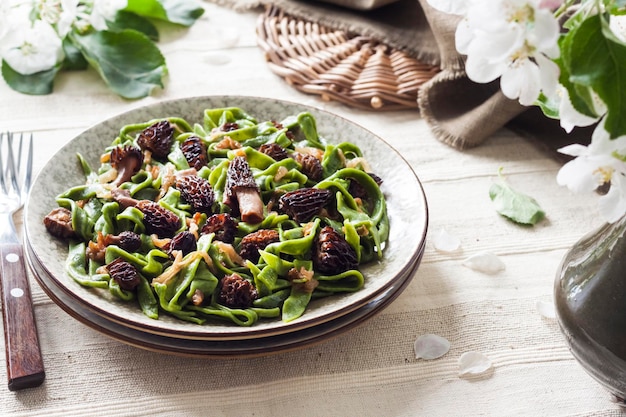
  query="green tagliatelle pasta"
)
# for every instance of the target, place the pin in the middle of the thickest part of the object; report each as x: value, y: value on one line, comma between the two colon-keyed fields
x: 192, y: 284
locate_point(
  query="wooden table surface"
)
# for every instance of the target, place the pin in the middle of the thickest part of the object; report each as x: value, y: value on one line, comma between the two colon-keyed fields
x: 370, y: 370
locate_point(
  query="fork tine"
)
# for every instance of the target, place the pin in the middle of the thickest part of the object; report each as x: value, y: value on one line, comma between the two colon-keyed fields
x: 29, y: 165
x: 2, y: 173
x: 11, y: 162
x: 13, y: 178
x: 19, y: 153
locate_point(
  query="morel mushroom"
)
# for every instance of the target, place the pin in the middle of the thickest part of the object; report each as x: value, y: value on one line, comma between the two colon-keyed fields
x: 236, y: 292
x: 123, y: 198
x: 184, y: 241
x: 332, y: 254
x: 229, y: 127
x: 242, y: 193
x: 157, y: 219
x: 358, y: 191
x: 157, y: 139
x: 252, y: 243
x: 124, y: 273
x: 222, y: 225
x: 288, y: 133
x: 311, y: 166
x: 59, y: 223
x: 126, y: 240
x: 194, y: 150
x: 304, y: 203
x: 127, y: 161
x: 197, y: 192
x: 274, y: 151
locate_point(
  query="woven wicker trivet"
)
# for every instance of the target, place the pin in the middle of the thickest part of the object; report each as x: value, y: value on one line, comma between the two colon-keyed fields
x: 355, y: 70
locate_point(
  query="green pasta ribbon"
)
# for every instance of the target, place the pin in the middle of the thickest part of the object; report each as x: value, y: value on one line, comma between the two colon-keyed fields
x: 283, y: 281
x: 75, y: 265
x: 297, y: 243
x: 82, y: 224
x: 376, y: 222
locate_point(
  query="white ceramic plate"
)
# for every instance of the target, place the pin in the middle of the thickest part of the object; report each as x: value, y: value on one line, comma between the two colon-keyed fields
x: 405, y: 199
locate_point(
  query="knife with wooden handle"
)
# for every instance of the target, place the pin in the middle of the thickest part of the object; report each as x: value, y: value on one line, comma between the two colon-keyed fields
x: 23, y: 355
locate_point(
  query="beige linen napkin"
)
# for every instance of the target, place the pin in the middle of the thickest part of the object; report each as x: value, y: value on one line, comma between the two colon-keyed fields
x: 460, y: 112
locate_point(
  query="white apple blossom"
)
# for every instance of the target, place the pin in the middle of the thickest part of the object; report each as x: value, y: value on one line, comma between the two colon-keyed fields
x: 12, y: 13
x: 612, y: 206
x: 35, y: 35
x: 569, y: 117
x: 512, y: 39
x: 48, y: 10
x: 69, y: 15
x: 32, y: 48
x: 105, y: 10
x: 602, y: 162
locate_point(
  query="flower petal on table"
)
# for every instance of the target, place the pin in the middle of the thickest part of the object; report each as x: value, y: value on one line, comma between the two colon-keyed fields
x: 546, y: 309
x: 431, y: 346
x: 486, y: 262
x: 445, y: 242
x: 474, y: 363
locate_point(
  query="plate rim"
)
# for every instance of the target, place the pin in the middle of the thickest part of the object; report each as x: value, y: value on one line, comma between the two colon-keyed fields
x: 221, y: 349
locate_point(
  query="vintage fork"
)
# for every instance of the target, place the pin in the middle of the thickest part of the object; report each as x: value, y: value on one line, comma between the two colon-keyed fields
x: 23, y: 355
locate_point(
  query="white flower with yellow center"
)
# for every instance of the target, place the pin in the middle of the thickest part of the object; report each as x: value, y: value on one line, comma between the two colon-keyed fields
x: 596, y: 165
x: 48, y: 10
x: 31, y: 48
x: 514, y: 40
x: 69, y: 16
x: 511, y: 39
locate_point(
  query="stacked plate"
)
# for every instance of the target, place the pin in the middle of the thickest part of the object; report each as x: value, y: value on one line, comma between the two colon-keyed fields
x: 324, y: 318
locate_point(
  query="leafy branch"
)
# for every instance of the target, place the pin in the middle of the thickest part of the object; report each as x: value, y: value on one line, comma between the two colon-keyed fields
x: 125, y: 54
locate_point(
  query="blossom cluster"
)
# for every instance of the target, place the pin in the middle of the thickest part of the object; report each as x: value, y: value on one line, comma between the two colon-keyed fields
x: 32, y: 31
x: 542, y: 53
x: 39, y: 39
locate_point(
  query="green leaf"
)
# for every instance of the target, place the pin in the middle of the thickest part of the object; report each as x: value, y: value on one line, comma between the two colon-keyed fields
x: 581, y: 100
x: 598, y: 61
x: 147, y: 8
x: 127, y: 20
x: 74, y: 59
x: 182, y: 12
x: 128, y: 61
x: 549, y: 107
x: 617, y: 7
x: 514, y: 205
x: 38, y: 84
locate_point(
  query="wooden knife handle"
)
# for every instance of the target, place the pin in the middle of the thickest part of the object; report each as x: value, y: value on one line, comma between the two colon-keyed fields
x: 24, y: 361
